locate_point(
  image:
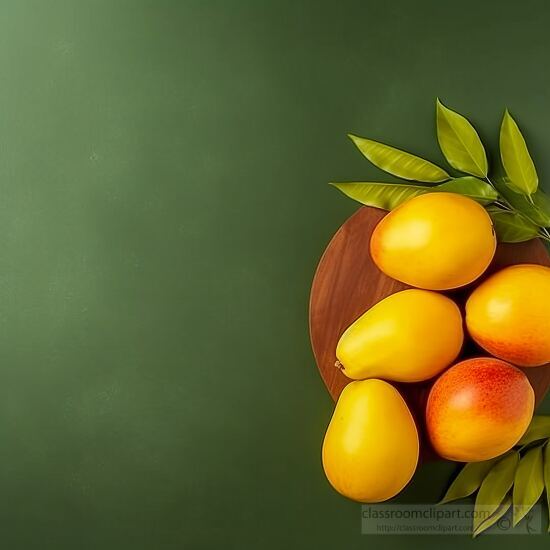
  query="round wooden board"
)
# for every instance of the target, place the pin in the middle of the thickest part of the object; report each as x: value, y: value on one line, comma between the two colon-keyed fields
x: 347, y: 283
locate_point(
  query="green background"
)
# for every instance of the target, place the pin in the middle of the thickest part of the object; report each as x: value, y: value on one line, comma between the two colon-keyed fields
x: 163, y: 205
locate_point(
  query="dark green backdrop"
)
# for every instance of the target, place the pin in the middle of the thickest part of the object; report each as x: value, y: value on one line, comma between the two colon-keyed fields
x: 163, y: 205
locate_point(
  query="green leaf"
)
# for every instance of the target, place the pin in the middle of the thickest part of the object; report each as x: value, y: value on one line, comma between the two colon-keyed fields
x: 528, y: 483
x: 537, y: 211
x: 390, y: 195
x: 495, y: 486
x: 468, y: 480
x: 547, y: 476
x: 399, y: 163
x: 512, y: 227
x: 538, y: 429
x: 471, y: 187
x: 460, y: 142
x: 380, y: 195
x: 495, y: 516
x: 515, y: 156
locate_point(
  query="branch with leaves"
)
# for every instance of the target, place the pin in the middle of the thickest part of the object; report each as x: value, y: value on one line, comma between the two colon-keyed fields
x: 517, y: 479
x: 519, y: 209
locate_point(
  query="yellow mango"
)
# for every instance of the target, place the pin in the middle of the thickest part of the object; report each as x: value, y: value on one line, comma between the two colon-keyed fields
x: 435, y: 241
x: 409, y: 336
x: 370, y: 450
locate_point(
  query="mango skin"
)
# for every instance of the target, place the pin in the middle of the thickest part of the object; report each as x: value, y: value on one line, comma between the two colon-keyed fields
x: 409, y: 336
x: 478, y: 409
x: 436, y: 241
x: 370, y: 450
x: 509, y: 314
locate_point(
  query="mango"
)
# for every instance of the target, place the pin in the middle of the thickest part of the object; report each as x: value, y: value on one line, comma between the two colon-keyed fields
x: 478, y: 409
x: 409, y: 336
x: 509, y: 314
x: 436, y: 241
x: 370, y: 450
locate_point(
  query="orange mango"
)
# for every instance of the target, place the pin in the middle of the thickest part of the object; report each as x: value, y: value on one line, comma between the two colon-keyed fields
x: 509, y: 314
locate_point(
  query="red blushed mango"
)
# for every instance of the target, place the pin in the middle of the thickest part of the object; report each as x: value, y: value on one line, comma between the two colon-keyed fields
x: 478, y: 409
x: 509, y: 314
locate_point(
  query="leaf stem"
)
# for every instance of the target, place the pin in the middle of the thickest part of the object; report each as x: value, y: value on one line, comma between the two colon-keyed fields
x: 504, y: 206
x: 490, y: 182
x: 502, y: 202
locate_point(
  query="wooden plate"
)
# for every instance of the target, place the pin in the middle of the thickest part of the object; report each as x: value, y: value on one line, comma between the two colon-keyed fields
x: 347, y: 283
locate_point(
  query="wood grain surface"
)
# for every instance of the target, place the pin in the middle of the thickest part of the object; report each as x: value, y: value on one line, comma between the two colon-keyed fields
x: 347, y: 283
